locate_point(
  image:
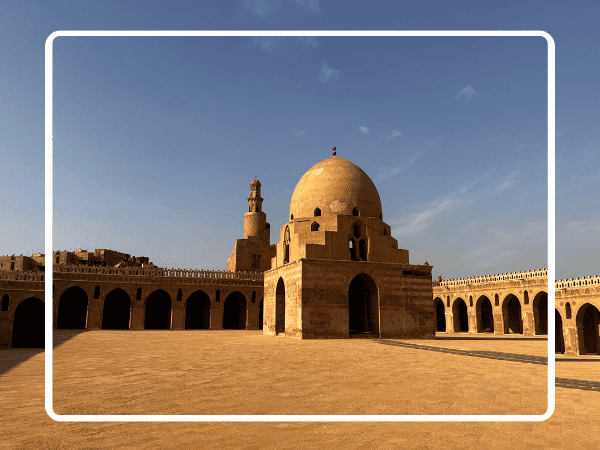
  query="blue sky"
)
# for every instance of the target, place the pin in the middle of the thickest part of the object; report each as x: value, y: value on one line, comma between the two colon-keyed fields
x: 157, y: 139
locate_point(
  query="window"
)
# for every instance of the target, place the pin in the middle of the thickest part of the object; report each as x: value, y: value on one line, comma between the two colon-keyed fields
x: 5, y: 302
x: 97, y: 292
x: 352, y: 247
x: 256, y: 261
x: 568, y: 310
x: 138, y: 294
x: 356, y: 228
x: 253, y: 296
x: 179, y: 295
x: 218, y: 295
x: 314, y: 226
x: 317, y: 212
x: 355, y: 212
x: 362, y: 249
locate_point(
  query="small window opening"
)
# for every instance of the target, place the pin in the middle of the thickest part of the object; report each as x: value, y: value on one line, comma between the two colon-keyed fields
x: 253, y: 296
x: 179, y: 295
x: 568, y: 310
x: 355, y: 211
x: 314, y: 227
x: 138, y: 294
x: 356, y: 230
x: 218, y: 295
x: 97, y: 292
x: 317, y: 212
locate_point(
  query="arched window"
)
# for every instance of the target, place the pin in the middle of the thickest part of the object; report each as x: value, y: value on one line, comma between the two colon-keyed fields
x: 526, y: 299
x: 5, y: 299
x: 352, y: 248
x: 317, y: 212
x: 292, y: 217
x: 356, y: 230
x: 138, y: 294
x: 218, y: 295
x: 253, y: 296
x: 497, y: 300
x: 179, y: 295
x: 380, y: 216
x: 568, y: 310
x: 97, y: 292
x: 470, y: 300
x: 448, y: 302
x: 355, y: 211
x: 362, y: 249
x: 314, y: 226
x: 286, y: 245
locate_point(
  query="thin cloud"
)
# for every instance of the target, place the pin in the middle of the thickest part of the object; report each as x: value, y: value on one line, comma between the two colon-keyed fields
x: 268, y: 43
x: 363, y: 130
x: 394, y: 134
x: 307, y: 41
x: 390, y: 172
x: 264, y: 8
x: 467, y: 92
x: 509, y: 180
x: 299, y: 132
x: 327, y: 73
x: 416, y: 222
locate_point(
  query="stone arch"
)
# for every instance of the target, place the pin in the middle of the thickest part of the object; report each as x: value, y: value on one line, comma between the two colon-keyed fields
x: 280, y: 307
x: 511, y: 315
x: 72, y: 309
x: 315, y: 226
x: 485, y: 315
x: 540, y: 313
x: 559, y: 337
x: 587, y: 321
x: 28, y: 325
x: 234, y: 311
x: 157, y: 314
x: 197, y: 311
x: 261, y: 314
x: 317, y: 212
x: 363, y: 305
x: 116, y: 313
x: 460, y: 316
x: 440, y: 315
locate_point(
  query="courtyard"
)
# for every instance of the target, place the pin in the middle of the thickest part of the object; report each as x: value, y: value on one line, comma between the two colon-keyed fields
x: 244, y: 372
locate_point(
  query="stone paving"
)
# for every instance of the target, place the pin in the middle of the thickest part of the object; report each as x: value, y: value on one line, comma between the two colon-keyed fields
x: 235, y: 372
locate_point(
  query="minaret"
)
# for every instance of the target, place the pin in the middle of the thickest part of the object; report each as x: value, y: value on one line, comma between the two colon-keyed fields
x: 255, y: 220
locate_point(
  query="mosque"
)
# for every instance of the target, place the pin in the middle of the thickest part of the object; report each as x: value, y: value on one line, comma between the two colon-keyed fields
x: 337, y: 270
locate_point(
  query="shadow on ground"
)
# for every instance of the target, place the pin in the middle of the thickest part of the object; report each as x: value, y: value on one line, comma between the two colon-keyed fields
x: 11, y: 358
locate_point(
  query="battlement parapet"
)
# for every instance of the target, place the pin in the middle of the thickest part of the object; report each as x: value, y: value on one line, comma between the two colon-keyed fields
x: 160, y: 272
x: 572, y: 282
x: 491, y: 278
x: 20, y: 275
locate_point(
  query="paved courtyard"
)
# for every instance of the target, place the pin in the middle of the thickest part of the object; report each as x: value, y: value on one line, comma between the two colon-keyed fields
x: 244, y: 372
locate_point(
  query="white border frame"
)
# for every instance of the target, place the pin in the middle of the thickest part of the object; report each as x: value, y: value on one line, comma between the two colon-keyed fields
x: 298, y: 418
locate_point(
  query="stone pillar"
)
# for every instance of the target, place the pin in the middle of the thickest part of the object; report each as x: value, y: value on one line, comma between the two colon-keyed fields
x: 580, y: 349
x: 177, y: 315
x: 216, y: 316
x: 252, y: 316
x: 94, y: 320
x: 5, y: 330
x: 499, y: 321
x: 528, y: 323
x: 472, y: 323
x: 571, y: 341
x: 449, y: 322
x: 137, y: 315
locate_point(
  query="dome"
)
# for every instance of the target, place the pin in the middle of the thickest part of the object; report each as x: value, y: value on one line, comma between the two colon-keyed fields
x: 338, y: 186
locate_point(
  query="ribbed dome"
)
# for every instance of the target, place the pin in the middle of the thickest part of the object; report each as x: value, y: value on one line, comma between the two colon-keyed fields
x: 338, y: 186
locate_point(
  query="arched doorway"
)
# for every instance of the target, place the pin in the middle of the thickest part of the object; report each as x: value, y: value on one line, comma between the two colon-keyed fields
x: 559, y: 338
x: 234, y: 312
x: 197, y: 311
x: 485, y: 315
x: 72, y: 309
x: 540, y: 313
x: 440, y: 315
x: 116, y: 311
x: 158, y: 311
x: 511, y: 315
x: 261, y: 314
x: 587, y: 329
x: 362, y: 305
x: 28, y: 326
x: 460, y: 316
x: 280, y: 307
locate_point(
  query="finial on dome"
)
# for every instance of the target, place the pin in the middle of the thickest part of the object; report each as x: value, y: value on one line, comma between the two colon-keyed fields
x: 333, y: 148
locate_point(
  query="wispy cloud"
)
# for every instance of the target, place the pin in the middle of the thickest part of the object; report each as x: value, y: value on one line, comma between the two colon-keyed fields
x: 264, y: 8
x: 363, y: 130
x: 509, y: 180
x: 393, y: 135
x: 308, y: 41
x: 299, y: 132
x: 416, y: 222
x: 268, y: 43
x: 389, y: 172
x: 327, y: 73
x: 467, y: 92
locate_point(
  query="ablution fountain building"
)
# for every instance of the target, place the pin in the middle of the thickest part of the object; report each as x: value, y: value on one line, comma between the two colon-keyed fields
x: 335, y: 272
